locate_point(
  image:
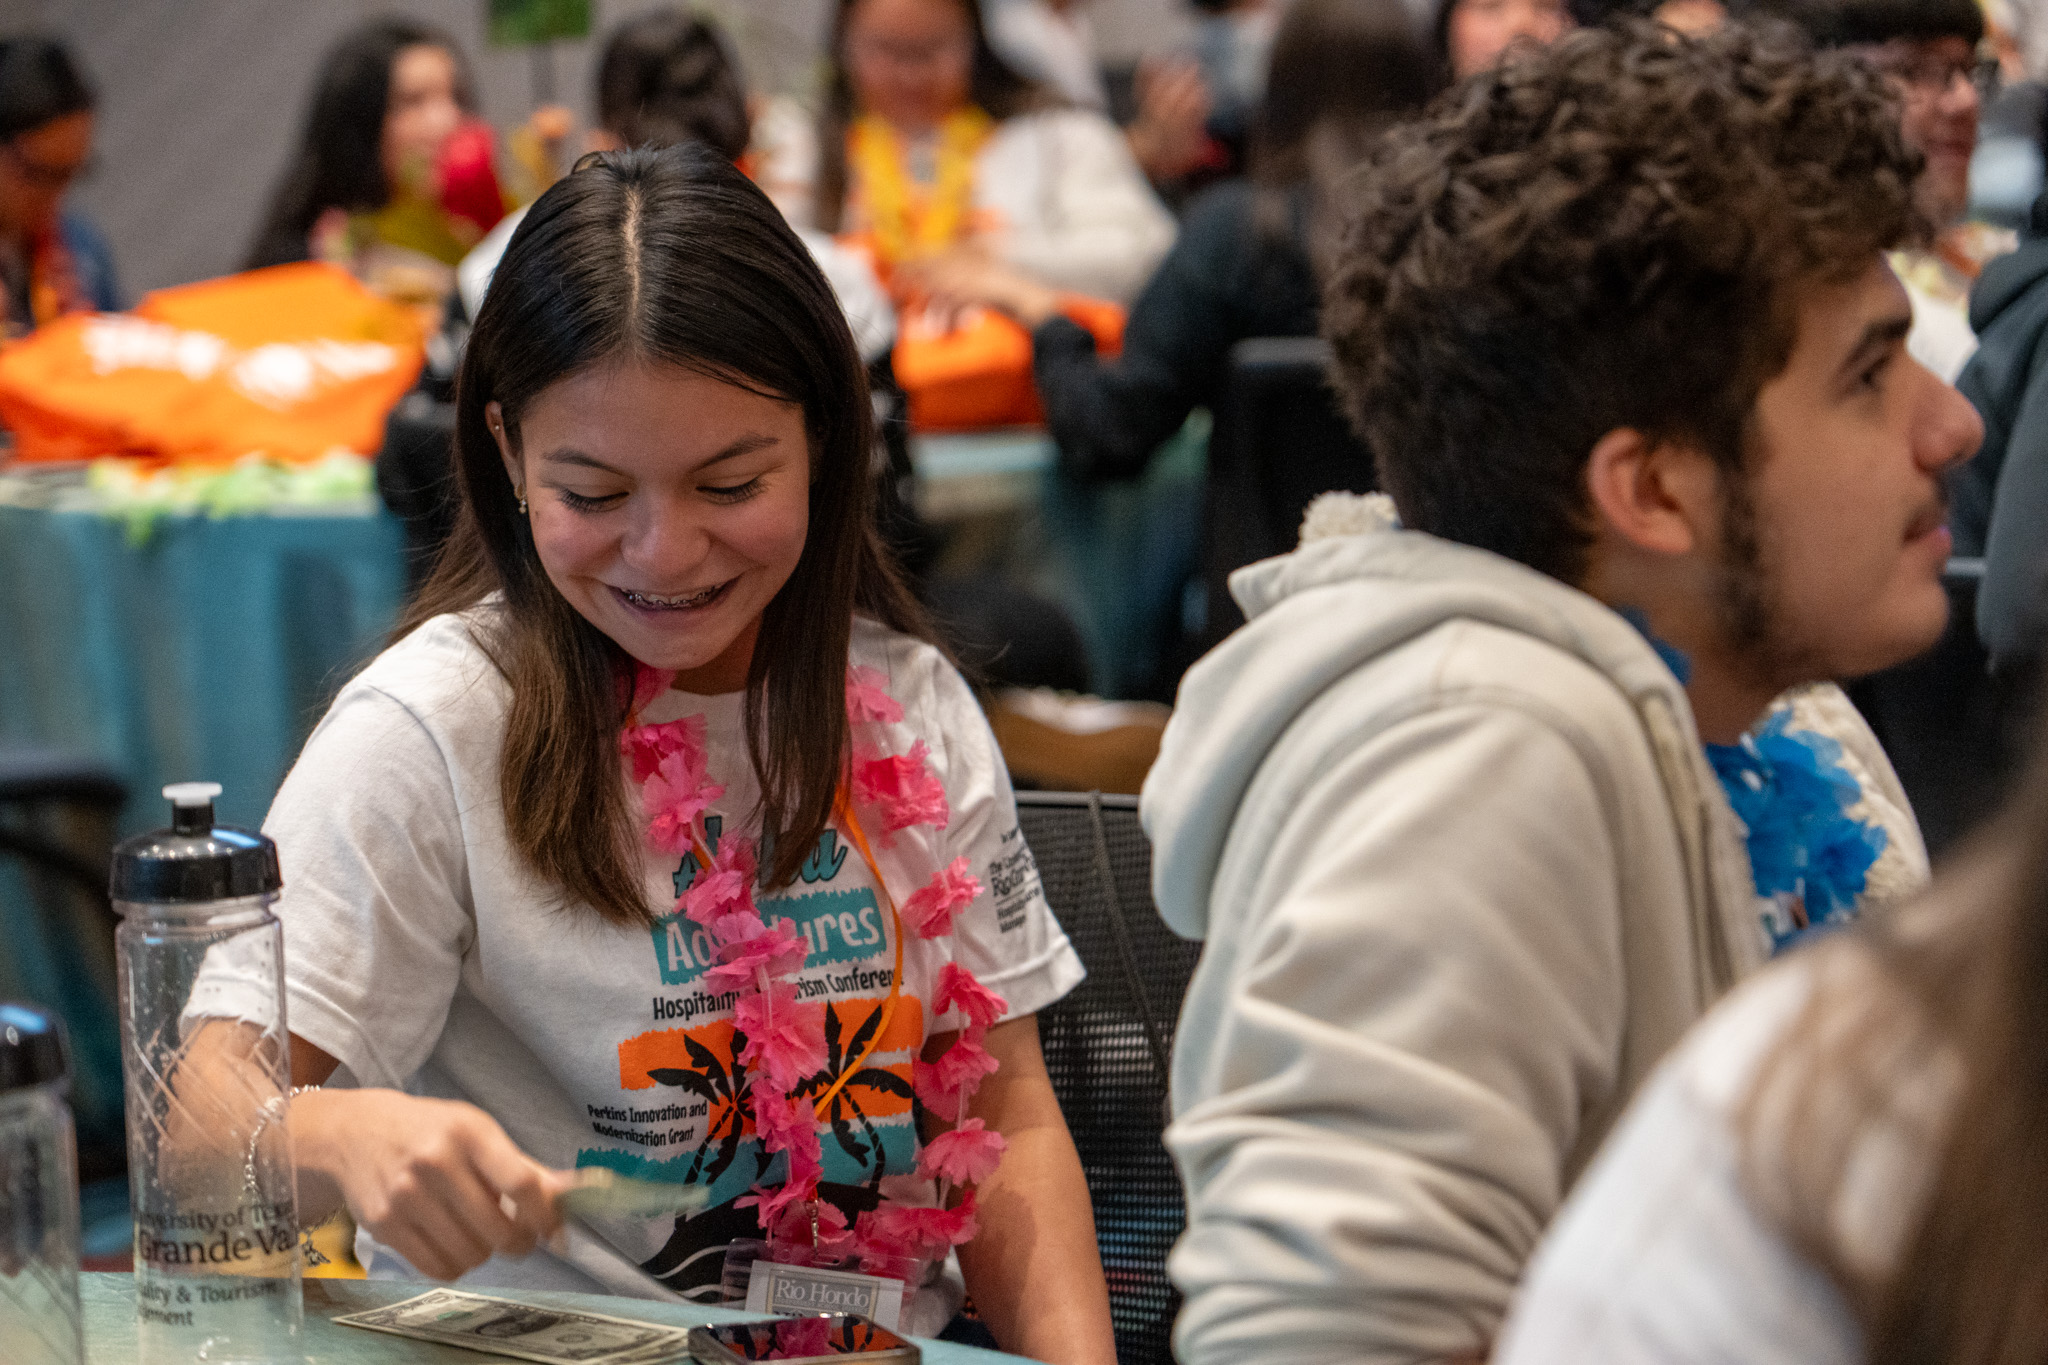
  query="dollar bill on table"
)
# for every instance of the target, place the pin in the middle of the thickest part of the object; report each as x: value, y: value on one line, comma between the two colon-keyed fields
x: 524, y: 1331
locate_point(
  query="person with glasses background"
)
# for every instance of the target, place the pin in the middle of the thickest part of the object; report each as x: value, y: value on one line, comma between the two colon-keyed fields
x: 1929, y: 51
x: 52, y: 261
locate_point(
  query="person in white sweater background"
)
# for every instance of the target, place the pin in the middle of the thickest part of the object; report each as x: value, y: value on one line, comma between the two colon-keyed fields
x: 1843, y: 1164
x: 928, y: 144
x: 1617, y: 320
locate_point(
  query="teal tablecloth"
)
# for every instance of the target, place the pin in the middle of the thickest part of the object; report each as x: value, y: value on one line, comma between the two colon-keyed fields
x: 109, y: 1304
x: 205, y: 653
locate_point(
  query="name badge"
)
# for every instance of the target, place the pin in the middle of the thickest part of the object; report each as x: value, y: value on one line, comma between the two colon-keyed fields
x: 798, y: 1290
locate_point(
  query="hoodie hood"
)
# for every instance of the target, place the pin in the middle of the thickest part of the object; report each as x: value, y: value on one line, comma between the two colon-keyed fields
x: 2005, y: 280
x: 1327, y: 609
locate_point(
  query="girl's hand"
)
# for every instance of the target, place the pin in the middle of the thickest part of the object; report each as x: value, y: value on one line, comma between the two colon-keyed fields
x: 968, y: 276
x: 437, y: 1181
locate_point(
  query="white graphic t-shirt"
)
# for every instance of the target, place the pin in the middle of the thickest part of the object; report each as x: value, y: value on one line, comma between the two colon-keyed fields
x: 423, y: 955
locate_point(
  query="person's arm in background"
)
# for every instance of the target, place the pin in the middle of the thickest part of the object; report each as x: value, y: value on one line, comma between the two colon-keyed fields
x: 1399, y: 1049
x: 1034, y: 1271
x: 1107, y: 416
x: 1093, y: 225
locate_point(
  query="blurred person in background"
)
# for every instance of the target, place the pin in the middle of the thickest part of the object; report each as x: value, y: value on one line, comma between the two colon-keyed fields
x: 1471, y: 35
x: 929, y: 146
x: 2001, y: 496
x: 395, y: 177
x: 668, y: 76
x: 52, y: 260
x: 1844, y: 1164
x: 1250, y: 252
x: 1247, y: 263
x: 1927, y: 50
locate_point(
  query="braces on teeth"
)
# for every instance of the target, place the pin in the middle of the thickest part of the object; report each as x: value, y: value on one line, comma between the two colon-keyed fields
x: 641, y: 599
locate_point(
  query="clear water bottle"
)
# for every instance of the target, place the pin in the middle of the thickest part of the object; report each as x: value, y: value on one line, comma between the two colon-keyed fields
x: 207, y: 1064
x: 39, y: 1322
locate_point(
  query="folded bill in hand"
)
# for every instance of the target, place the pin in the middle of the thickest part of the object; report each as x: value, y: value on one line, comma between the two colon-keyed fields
x: 600, y: 1192
x: 524, y: 1331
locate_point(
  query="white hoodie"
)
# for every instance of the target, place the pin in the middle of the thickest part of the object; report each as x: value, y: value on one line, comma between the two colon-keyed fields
x: 1464, y: 876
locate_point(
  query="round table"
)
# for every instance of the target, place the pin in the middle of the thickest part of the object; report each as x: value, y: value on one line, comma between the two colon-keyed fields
x: 109, y: 1306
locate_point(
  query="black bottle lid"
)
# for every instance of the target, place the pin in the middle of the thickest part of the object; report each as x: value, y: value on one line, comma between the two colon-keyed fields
x: 32, y: 1050
x: 194, y: 860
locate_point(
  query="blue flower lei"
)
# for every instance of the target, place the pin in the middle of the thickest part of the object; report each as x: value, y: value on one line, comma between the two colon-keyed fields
x: 1793, y: 795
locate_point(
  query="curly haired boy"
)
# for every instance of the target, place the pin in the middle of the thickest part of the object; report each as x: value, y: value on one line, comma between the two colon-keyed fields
x: 1618, y: 322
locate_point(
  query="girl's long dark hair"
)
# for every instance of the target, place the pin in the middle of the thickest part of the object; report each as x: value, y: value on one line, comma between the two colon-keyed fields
x: 1343, y: 72
x: 1930, y: 1029
x: 670, y: 256
x: 339, y: 163
x: 992, y: 83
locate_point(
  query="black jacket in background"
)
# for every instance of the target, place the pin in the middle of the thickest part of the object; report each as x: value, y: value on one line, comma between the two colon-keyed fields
x: 1223, y: 281
x: 1999, y: 499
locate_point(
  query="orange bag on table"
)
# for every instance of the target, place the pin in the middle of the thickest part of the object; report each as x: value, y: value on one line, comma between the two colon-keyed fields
x: 291, y: 362
x: 979, y: 374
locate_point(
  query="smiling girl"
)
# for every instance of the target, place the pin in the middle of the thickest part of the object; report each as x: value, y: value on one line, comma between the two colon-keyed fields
x: 662, y: 840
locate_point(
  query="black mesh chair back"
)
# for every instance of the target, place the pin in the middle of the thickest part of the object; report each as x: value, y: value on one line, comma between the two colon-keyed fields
x: 57, y: 826
x: 416, y: 479
x: 36, y: 781
x: 1107, y: 1045
x: 1280, y: 439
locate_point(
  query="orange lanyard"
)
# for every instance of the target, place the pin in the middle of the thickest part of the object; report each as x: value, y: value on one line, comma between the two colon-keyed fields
x: 843, y: 809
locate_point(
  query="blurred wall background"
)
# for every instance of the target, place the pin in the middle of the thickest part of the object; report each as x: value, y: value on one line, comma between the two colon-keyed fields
x: 201, y: 100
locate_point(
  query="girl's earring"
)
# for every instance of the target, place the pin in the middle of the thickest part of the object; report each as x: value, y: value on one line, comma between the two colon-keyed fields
x: 498, y: 433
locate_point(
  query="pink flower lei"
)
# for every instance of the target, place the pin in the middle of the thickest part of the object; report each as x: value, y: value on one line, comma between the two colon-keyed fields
x: 785, y: 1035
